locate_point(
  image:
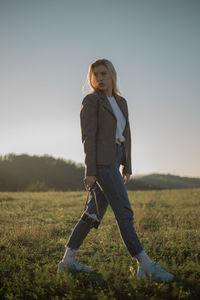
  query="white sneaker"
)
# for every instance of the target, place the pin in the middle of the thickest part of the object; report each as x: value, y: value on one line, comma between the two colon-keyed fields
x: 73, y: 266
x: 155, y: 272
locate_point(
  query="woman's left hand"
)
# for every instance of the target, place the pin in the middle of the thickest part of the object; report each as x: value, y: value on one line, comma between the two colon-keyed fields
x: 126, y: 177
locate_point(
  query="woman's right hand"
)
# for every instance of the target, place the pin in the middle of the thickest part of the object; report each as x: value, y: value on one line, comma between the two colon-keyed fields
x: 89, y: 181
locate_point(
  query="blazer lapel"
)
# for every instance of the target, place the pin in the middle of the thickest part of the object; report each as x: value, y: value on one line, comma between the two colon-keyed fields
x: 105, y: 102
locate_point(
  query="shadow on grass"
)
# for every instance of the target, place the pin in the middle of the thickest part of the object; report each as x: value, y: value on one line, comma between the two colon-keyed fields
x: 90, y: 278
x: 189, y: 285
x: 80, y: 285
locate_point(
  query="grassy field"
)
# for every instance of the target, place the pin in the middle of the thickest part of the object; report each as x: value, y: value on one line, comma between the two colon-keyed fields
x: 34, y: 228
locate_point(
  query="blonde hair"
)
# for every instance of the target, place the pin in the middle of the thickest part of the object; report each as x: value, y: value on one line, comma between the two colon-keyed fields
x: 109, y: 66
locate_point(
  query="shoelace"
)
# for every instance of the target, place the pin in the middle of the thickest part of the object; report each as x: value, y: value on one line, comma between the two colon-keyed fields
x: 76, y: 262
x: 160, y: 269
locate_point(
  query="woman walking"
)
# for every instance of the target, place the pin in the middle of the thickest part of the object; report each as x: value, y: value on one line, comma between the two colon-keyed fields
x: 106, y: 139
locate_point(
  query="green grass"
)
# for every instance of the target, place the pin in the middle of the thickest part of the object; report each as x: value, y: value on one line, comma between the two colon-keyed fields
x: 34, y: 228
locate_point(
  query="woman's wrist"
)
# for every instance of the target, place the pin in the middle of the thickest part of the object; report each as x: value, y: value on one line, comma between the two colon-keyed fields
x: 89, y: 181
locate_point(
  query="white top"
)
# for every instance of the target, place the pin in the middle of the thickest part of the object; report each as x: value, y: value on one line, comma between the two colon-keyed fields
x: 121, y: 121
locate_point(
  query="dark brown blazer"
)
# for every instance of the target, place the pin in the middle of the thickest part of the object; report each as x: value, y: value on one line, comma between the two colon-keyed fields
x: 98, y: 130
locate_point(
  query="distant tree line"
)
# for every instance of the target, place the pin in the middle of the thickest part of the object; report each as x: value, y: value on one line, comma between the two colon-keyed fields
x: 24, y: 172
x: 42, y: 173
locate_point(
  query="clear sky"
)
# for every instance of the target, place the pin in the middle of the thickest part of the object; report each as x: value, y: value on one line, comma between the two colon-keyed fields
x: 46, y: 49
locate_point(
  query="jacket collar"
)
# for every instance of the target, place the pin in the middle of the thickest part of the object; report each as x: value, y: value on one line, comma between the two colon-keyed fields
x: 107, y: 105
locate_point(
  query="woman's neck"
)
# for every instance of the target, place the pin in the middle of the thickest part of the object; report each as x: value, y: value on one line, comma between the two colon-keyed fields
x: 108, y: 92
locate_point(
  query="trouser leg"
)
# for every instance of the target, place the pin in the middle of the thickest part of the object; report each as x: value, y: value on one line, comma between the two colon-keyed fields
x: 111, y: 182
x: 82, y: 229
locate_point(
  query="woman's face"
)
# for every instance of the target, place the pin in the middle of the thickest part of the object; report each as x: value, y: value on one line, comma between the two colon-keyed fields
x: 102, y: 78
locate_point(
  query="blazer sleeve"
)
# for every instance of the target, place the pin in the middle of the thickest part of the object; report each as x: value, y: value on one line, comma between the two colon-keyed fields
x: 88, y: 120
x: 127, y: 166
